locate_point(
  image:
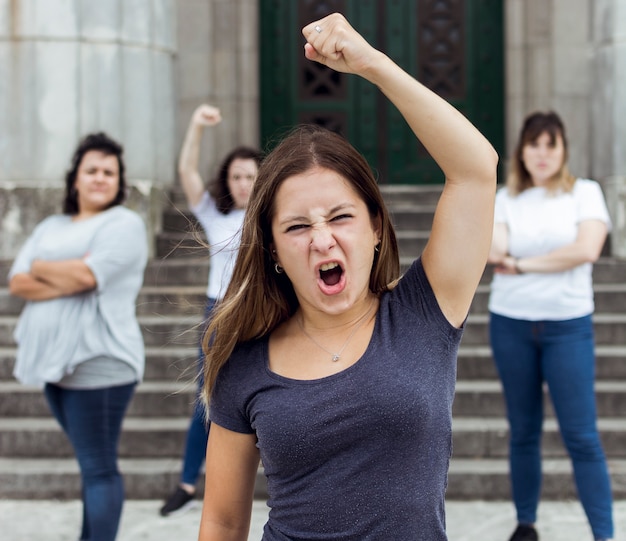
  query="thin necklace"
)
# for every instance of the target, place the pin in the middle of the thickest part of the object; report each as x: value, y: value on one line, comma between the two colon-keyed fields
x: 334, y: 357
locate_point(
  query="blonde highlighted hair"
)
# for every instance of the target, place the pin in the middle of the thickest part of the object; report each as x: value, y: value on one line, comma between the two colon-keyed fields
x: 536, y: 124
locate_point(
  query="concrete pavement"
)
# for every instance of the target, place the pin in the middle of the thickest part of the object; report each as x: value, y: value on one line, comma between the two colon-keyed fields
x: 38, y: 520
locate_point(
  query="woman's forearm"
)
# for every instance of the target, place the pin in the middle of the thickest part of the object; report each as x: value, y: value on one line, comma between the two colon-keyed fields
x: 27, y: 287
x: 70, y: 276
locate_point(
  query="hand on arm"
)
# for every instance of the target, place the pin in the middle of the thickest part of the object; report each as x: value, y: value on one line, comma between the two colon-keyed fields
x: 585, y: 249
x: 463, y: 225
x: 499, y: 244
x: 232, y: 460
x: 190, y: 178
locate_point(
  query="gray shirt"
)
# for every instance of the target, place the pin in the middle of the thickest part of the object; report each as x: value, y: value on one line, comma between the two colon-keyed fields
x: 361, y: 455
x: 55, y: 336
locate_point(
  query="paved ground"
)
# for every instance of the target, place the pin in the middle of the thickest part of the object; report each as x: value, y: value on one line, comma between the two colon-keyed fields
x: 467, y: 521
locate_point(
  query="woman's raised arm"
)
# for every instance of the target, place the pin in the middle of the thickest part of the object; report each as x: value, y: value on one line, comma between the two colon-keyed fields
x: 455, y: 256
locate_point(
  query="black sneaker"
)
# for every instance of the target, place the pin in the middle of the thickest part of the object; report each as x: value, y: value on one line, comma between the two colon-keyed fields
x: 178, y: 502
x: 524, y: 532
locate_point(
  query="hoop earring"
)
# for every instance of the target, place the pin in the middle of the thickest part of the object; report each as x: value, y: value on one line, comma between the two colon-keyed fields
x: 377, y: 248
x: 278, y: 268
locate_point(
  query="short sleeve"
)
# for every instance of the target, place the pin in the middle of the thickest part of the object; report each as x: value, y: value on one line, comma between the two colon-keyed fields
x: 205, y: 208
x: 234, y: 386
x: 591, y: 203
x: 500, y: 215
x: 28, y: 252
x: 118, y: 247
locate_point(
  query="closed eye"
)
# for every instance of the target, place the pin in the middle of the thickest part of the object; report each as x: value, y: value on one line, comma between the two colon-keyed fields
x: 340, y: 217
x: 296, y: 227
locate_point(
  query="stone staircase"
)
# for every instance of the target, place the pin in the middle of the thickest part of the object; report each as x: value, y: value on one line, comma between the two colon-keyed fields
x: 36, y: 461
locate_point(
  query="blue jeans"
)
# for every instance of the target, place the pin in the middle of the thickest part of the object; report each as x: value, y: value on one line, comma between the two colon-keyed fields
x: 561, y: 354
x: 198, y: 431
x: 92, y: 420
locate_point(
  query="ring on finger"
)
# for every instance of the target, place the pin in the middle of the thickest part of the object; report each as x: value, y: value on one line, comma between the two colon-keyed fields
x: 318, y: 28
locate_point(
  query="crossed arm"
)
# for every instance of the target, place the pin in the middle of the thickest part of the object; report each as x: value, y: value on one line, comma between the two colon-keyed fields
x: 585, y: 249
x: 52, y: 279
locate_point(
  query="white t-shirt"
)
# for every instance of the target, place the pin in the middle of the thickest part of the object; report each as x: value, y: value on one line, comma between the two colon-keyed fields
x: 55, y: 336
x: 539, y: 222
x: 223, y: 233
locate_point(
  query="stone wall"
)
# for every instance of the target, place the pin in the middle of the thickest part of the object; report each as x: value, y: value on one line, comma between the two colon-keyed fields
x: 217, y: 63
x: 68, y: 68
x: 548, y: 67
x: 608, y: 135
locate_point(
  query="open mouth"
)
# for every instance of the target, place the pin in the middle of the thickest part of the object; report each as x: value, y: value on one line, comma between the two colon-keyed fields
x: 330, y: 273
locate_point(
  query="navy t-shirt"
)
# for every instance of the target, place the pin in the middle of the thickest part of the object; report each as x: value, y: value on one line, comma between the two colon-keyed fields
x: 363, y: 454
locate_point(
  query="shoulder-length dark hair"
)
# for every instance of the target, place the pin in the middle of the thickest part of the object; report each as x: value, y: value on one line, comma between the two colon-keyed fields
x: 535, y: 124
x: 94, y: 141
x: 258, y: 299
x: 218, y: 186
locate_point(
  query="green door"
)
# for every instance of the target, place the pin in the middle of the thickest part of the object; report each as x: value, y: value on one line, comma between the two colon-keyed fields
x: 454, y: 47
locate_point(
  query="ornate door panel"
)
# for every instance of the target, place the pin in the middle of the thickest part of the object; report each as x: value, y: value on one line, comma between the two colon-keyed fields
x: 454, y: 47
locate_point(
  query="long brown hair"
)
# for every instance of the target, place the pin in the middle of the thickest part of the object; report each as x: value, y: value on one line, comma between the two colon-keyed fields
x: 218, y: 186
x: 258, y: 299
x: 535, y: 124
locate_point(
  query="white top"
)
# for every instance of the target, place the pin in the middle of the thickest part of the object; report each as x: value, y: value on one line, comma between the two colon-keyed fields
x: 223, y: 233
x: 539, y: 222
x: 54, y: 336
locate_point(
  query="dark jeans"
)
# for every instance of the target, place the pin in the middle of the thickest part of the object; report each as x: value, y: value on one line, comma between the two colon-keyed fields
x: 92, y: 420
x: 198, y: 431
x: 561, y: 354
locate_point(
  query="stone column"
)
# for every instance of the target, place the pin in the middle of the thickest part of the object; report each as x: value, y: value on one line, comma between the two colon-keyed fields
x: 70, y: 67
x: 609, y: 112
x: 218, y: 47
x: 548, y: 65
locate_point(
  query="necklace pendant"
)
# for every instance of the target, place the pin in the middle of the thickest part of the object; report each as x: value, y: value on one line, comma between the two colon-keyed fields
x: 335, y: 357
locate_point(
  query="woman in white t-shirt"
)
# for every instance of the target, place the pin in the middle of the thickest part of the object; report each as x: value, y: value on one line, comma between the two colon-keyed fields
x: 549, y: 229
x: 219, y: 208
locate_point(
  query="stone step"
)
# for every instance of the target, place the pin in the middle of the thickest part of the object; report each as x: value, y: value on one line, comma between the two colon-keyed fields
x: 152, y: 300
x: 484, y: 437
x: 488, y: 479
x: 151, y: 400
x: 403, y: 194
x: 58, y: 478
x: 474, y: 398
x: 474, y: 363
x: 161, y: 271
x: 168, y: 299
x: 172, y: 300
x: 473, y: 479
x: 181, y: 245
x: 164, y: 437
x: 483, y: 398
x: 162, y: 363
x: 177, y: 220
x: 394, y: 195
x: 193, y: 269
x: 609, y: 329
x: 169, y: 271
x: 608, y: 298
x: 158, y: 330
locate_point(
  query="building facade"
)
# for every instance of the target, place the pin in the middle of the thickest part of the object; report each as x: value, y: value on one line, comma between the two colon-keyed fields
x: 138, y: 68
